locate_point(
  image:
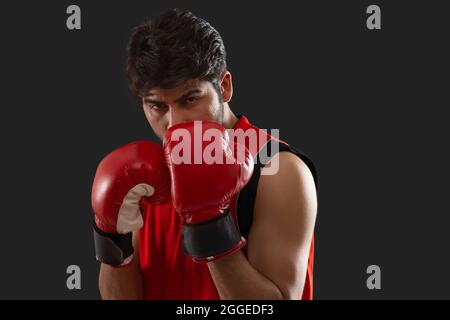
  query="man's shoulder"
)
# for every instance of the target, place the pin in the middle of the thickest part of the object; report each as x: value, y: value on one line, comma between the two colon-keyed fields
x: 291, y: 186
x: 286, y: 167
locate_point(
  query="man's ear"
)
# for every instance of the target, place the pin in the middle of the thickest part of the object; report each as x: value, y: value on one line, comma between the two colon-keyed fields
x: 226, y: 86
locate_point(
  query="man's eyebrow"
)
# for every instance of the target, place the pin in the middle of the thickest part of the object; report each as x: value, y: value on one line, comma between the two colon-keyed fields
x: 147, y: 99
x: 187, y: 94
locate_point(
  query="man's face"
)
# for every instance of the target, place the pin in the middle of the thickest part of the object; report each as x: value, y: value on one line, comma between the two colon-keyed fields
x: 193, y: 100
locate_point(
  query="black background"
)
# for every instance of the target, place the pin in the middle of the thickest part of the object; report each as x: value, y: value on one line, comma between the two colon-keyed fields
x: 369, y: 107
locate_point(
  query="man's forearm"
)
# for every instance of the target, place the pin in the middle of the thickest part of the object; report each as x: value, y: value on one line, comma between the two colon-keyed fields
x: 121, y: 283
x: 236, y: 278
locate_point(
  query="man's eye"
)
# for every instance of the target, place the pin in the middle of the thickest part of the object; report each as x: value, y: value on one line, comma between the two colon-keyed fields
x: 191, y: 100
x: 156, y: 107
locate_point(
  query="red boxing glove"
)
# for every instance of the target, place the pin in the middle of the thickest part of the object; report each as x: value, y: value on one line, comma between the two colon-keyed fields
x: 123, y: 178
x: 206, y: 175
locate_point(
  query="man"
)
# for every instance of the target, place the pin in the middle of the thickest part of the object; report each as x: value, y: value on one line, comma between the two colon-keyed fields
x: 177, y: 69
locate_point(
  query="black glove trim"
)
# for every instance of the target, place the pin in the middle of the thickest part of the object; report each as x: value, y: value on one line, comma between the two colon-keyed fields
x: 112, y: 249
x: 211, y: 238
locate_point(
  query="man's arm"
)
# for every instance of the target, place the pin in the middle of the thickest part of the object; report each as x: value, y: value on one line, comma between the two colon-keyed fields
x: 279, y: 239
x: 124, y: 283
x: 123, y: 177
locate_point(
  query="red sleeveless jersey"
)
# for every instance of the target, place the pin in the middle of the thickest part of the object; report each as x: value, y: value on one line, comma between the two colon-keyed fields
x: 167, y: 272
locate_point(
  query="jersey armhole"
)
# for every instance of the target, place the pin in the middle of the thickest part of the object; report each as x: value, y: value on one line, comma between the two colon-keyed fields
x: 247, y: 197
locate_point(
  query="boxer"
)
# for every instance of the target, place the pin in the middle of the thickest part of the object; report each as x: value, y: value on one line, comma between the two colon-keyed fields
x: 225, y: 230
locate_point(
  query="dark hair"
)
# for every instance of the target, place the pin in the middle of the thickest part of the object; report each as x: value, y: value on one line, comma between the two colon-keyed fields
x: 171, y: 49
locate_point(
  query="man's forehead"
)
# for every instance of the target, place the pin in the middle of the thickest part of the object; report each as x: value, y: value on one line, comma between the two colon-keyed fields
x: 180, y: 89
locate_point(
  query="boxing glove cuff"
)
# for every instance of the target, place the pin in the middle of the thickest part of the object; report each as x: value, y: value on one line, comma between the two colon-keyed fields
x: 113, y: 249
x: 212, y: 239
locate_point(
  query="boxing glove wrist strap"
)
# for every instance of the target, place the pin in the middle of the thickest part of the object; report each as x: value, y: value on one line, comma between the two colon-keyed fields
x: 208, y: 240
x: 113, y: 249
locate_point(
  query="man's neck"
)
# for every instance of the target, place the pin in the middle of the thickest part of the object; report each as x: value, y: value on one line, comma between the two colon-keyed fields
x: 229, y: 119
